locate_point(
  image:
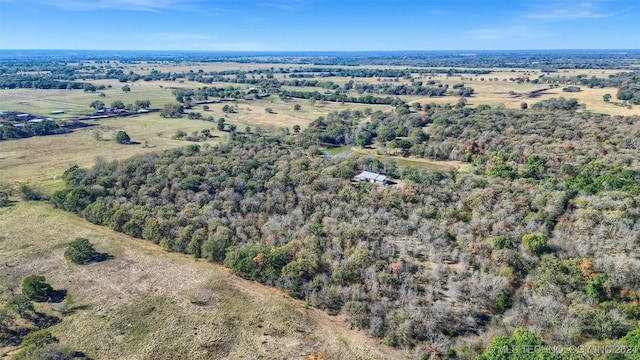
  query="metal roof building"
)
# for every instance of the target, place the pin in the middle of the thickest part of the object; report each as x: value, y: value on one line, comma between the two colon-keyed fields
x: 371, y: 177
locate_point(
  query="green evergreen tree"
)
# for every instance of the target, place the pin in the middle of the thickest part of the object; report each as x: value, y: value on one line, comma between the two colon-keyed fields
x: 35, y: 288
x: 122, y: 137
x: 80, y: 251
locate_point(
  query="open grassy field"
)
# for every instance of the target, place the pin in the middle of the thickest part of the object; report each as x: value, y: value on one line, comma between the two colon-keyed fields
x: 496, y: 93
x: 145, y: 303
x: 147, y: 67
x: 40, y: 161
x: 253, y: 113
x: 76, y: 102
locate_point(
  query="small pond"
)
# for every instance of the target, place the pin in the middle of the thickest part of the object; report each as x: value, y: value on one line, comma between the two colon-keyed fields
x: 338, y: 151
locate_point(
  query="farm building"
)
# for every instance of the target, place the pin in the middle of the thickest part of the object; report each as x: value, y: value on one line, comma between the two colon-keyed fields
x: 372, y: 177
x: 57, y: 112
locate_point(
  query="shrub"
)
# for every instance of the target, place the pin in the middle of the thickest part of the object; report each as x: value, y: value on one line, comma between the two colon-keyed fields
x: 192, y: 149
x: 43, y: 345
x: 35, y: 288
x: 522, y: 345
x: 502, y: 242
x: 80, y: 251
x: 602, y: 324
x: 22, y: 305
x: 536, y: 243
x: 172, y: 111
x: 39, y: 339
x: 571, y: 89
x: 57, y: 351
x: 122, y: 137
x: 4, y: 199
x: 27, y: 193
x: 194, y: 115
x: 596, y: 288
x: 503, y: 302
x: 179, y: 134
x: 633, y: 339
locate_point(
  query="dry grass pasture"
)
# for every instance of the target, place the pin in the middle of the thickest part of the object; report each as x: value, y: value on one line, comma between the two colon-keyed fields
x: 76, y: 102
x: 40, y: 161
x: 145, y: 303
x: 253, y: 113
x: 497, y: 93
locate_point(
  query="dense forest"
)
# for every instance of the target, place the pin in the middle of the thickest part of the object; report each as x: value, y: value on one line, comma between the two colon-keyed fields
x: 537, y: 244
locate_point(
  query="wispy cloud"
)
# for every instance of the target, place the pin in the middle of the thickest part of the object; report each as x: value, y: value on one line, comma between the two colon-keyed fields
x: 566, y: 14
x: 572, y: 10
x: 129, y: 5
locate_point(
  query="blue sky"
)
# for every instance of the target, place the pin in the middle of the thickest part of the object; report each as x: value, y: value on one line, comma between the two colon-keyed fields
x: 319, y: 25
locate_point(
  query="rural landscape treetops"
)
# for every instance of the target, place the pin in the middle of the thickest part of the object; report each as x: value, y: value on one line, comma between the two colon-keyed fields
x: 219, y: 194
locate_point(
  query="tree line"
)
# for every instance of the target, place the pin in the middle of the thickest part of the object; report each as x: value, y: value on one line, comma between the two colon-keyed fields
x: 8, y: 131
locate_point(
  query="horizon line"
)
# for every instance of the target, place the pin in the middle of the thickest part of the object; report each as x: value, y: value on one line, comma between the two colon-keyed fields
x: 327, y: 51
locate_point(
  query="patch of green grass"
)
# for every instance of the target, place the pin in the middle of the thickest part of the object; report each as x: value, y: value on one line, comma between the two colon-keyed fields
x: 40, y: 161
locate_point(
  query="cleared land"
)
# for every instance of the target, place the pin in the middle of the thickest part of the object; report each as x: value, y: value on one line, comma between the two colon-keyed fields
x: 40, y: 161
x: 252, y: 113
x: 76, y: 102
x: 497, y: 93
x: 148, y: 304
